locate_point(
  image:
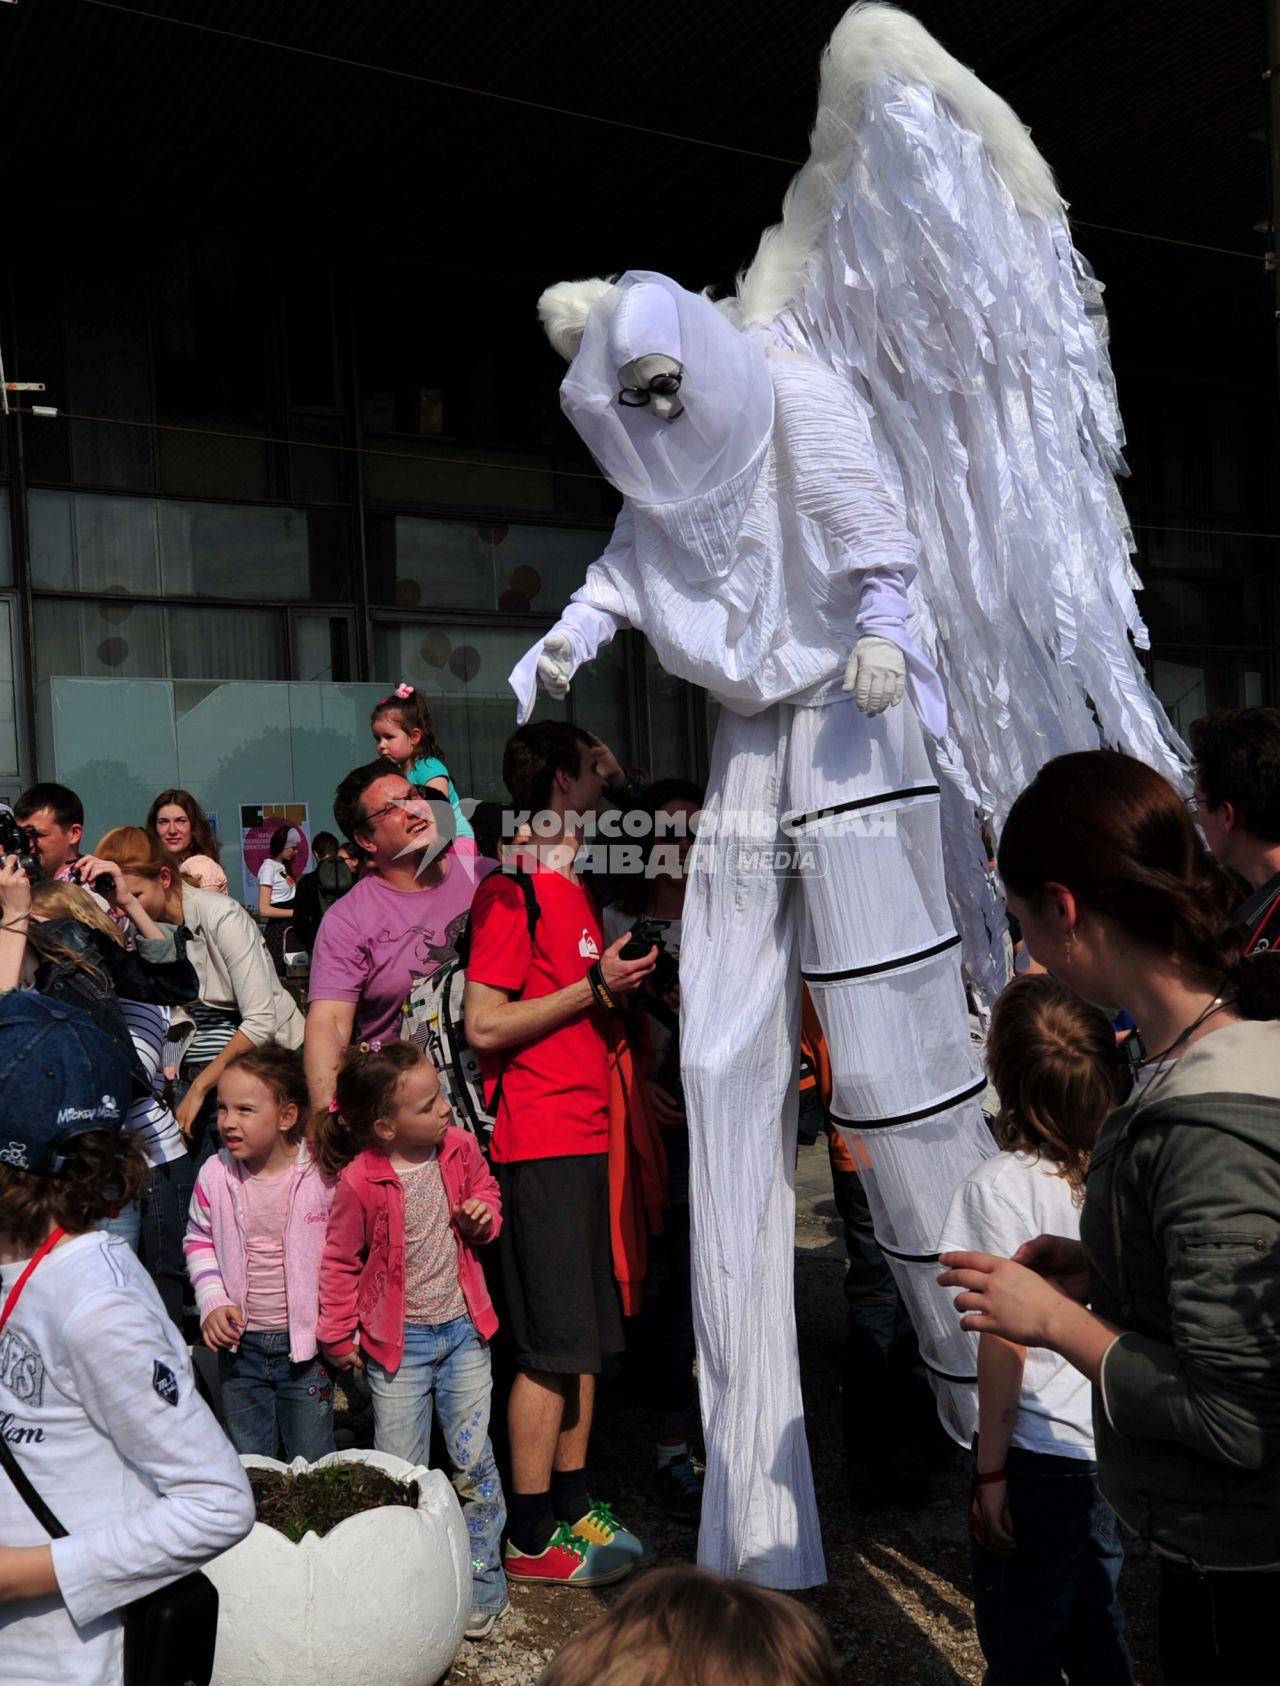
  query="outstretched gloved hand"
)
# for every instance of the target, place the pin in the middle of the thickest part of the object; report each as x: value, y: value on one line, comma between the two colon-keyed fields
x: 876, y: 674
x: 555, y: 665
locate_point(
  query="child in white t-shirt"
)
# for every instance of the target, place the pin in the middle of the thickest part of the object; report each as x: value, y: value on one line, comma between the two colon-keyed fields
x: 1046, y: 1546
x: 98, y: 1406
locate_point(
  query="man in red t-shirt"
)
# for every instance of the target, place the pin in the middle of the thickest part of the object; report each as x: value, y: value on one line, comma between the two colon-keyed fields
x: 534, y: 1012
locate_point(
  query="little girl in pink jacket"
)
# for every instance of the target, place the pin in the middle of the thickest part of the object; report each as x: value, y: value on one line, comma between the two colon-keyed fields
x: 402, y: 1294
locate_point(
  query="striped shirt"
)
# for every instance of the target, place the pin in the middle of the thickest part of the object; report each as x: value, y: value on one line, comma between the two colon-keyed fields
x: 152, y: 1121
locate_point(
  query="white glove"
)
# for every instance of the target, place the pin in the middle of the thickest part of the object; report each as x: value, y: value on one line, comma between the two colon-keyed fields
x: 555, y: 665
x: 876, y: 674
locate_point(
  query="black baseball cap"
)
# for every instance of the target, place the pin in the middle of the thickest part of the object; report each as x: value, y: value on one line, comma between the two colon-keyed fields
x: 60, y: 1077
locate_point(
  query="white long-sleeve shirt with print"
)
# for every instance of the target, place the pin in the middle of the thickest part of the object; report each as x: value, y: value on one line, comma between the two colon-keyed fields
x: 98, y: 1405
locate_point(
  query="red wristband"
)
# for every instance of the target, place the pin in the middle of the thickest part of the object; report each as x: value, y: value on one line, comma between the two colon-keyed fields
x: 990, y: 1478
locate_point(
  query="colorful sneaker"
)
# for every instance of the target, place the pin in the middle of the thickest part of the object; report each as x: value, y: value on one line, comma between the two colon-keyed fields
x: 600, y: 1527
x: 568, y: 1560
x: 678, y: 1487
x: 480, y: 1623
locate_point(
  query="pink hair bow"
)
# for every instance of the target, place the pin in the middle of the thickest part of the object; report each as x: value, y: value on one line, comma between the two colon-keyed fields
x: 403, y: 690
x: 333, y: 1104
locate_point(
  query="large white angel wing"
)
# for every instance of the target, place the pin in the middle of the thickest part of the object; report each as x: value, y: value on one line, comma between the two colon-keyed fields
x: 924, y: 253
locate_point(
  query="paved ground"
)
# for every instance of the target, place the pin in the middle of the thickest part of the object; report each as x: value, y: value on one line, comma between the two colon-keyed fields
x: 897, y: 1599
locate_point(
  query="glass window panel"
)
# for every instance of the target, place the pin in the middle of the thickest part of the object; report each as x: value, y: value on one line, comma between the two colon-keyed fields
x: 99, y: 640
x: 224, y: 551
x: 104, y: 326
x: 195, y: 464
x: 463, y: 672
x: 540, y: 568
x: 1191, y: 683
x: 82, y: 542
x: 599, y: 699
x: 414, y: 563
x: 317, y: 474
x: 145, y: 640
x: 671, y: 749
x: 8, y: 697
x: 1226, y: 610
x: 322, y: 647
x: 209, y: 343
x: 6, y: 550
x: 304, y: 279
x: 207, y: 643
x: 113, y: 743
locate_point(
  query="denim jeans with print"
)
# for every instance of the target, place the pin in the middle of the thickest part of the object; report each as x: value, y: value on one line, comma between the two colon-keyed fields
x: 448, y: 1364
x: 266, y: 1398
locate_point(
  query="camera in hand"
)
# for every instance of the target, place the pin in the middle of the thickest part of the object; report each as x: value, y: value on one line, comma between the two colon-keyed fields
x: 20, y: 842
x: 103, y: 885
x: 647, y: 934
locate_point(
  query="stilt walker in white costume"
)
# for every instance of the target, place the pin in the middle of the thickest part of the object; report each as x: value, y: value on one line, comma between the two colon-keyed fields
x: 870, y: 506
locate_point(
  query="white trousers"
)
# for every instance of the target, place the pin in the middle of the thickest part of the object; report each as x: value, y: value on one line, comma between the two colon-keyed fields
x: 819, y: 858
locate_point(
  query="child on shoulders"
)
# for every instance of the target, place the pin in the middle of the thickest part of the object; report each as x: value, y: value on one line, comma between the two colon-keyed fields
x: 405, y: 734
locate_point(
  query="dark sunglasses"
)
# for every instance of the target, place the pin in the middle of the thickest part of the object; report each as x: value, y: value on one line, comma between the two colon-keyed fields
x: 661, y: 386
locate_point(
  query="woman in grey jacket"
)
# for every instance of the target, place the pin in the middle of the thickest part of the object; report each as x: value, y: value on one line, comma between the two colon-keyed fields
x: 1179, y: 1255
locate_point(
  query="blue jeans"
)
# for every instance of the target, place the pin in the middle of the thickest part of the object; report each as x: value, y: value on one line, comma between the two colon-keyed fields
x: 165, y: 1201
x: 1050, y: 1607
x: 266, y: 1398
x: 450, y: 1363
x: 154, y: 1226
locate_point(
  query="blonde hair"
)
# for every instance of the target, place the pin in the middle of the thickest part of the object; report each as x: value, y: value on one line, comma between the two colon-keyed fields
x: 1057, y: 1070
x: 53, y: 900
x: 687, y: 1625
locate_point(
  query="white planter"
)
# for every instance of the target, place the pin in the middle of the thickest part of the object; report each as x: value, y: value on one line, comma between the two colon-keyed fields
x: 383, y: 1597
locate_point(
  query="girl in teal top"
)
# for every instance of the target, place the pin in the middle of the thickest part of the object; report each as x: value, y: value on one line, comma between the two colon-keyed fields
x: 405, y: 734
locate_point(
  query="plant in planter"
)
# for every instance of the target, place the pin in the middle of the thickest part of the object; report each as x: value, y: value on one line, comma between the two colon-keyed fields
x: 358, y: 1567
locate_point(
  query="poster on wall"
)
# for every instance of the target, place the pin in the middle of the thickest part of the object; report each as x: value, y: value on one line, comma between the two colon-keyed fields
x: 259, y: 822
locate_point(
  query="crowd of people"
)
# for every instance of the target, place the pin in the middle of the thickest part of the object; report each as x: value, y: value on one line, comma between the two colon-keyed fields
x: 189, y: 1155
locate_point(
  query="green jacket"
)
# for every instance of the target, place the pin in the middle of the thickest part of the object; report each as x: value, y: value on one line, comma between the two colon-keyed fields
x: 1181, y: 1227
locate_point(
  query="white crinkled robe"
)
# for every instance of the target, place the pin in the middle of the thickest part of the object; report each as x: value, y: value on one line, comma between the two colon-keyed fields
x: 753, y: 549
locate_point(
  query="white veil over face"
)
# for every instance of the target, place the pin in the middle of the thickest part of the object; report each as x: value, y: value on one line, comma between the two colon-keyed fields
x: 726, y: 392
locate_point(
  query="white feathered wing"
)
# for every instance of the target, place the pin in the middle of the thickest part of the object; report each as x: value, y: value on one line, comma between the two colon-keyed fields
x: 924, y: 253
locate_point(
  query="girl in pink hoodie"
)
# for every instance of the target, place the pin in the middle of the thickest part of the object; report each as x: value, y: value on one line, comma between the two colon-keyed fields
x: 402, y: 1294
x: 255, y: 1235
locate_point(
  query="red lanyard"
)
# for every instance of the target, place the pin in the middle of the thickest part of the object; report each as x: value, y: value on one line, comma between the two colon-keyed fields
x: 21, y: 1283
x: 1256, y: 938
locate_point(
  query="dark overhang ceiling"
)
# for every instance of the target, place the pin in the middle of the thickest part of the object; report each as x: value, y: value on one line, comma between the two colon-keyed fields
x: 1152, y: 117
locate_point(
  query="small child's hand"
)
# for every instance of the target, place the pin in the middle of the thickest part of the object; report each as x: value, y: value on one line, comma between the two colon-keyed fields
x: 353, y: 1360
x: 990, y: 1521
x: 474, y: 1220
x: 223, y: 1328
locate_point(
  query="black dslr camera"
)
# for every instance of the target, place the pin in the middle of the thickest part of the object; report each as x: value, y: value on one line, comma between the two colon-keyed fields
x: 647, y: 934
x: 20, y: 842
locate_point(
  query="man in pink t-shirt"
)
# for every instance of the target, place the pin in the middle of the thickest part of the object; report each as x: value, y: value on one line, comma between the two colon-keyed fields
x: 392, y: 927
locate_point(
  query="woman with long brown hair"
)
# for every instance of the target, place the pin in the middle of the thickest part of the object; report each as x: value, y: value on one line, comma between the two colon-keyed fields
x: 1118, y: 896
x: 183, y: 828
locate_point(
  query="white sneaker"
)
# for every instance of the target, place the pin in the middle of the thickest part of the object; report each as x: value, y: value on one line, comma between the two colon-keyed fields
x: 480, y: 1623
